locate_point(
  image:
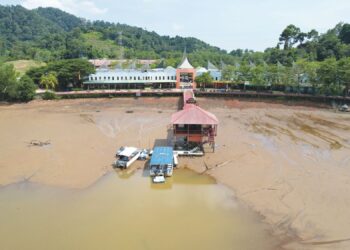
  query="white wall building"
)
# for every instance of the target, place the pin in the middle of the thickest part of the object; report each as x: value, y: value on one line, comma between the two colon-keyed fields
x: 138, y: 78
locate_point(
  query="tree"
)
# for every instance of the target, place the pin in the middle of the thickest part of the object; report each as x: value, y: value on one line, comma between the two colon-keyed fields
x: 308, y: 71
x: 25, y: 89
x: 228, y: 73
x: 12, y: 89
x: 7, y: 81
x: 313, y: 34
x: 203, y: 79
x: 329, y: 77
x: 70, y: 71
x: 344, y: 73
x: 49, y: 81
x: 290, y: 36
x: 36, y: 73
x: 328, y: 46
x: 259, y: 76
x: 344, y: 34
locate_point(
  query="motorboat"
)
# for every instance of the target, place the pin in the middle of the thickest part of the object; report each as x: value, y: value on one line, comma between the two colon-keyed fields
x: 158, y: 179
x: 127, y: 156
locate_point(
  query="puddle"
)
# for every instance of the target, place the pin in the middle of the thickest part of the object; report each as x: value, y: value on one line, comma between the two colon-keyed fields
x: 191, y: 211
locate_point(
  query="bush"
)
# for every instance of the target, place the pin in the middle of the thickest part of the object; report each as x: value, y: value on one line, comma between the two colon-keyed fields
x: 48, y: 95
x: 12, y: 89
x: 8, y: 82
x: 25, y: 89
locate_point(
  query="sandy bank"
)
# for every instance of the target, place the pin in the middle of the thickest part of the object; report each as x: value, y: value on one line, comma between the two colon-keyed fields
x: 290, y: 164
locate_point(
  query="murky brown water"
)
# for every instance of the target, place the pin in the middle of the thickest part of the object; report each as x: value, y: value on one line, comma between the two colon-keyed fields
x: 126, y: 211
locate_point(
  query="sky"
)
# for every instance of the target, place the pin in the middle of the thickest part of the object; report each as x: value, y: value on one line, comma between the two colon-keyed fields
x: 228, y: 24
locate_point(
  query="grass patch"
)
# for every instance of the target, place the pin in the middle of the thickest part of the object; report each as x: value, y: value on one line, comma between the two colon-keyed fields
x: 22, y: 66
x: 104, y: 46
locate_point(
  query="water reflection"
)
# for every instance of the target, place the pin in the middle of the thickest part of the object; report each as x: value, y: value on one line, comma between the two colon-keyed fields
x: 124, y: 210
x: 182, y: 176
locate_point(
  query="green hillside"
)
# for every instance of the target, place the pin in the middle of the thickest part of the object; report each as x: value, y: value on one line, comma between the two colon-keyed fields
x: 64, y: 42
x: 49, y: 34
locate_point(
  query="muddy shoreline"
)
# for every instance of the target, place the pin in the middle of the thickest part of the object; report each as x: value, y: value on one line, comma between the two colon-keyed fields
x: 290, y: 164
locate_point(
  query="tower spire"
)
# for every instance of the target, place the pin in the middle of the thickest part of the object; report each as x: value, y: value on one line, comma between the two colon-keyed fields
x: 185, y: 53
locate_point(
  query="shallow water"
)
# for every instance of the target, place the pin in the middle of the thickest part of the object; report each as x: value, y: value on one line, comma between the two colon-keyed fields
x: 126, y: 211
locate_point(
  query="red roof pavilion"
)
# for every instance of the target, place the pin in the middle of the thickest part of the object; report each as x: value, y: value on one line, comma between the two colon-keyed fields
x: 193, y: 124
x: 192, y: 114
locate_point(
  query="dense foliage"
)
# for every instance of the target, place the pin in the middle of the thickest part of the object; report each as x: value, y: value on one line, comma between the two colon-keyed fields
x: 329, y: 77
x: 60, y: 39
x: 13, y: 88
x: 62, y: 74
x: 49, y: 95
x: 48, y: 34
x: 203, y: 79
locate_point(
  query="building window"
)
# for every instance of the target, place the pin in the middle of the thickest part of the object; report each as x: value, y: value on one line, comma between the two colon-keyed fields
x: 117, y: 78
x: 168, y: 77
x: 109, y: 78
x: 135, y: 78
x: 130, y: 78
x: 100, y: 78
x: 104, y: 78
x: 139, y: 78
x: 96, y: 78
x: 112, y: 78
x: 156, y: 78
x: 163, y: 77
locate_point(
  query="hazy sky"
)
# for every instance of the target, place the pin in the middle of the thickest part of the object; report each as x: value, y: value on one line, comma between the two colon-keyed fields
x: 228, y: 24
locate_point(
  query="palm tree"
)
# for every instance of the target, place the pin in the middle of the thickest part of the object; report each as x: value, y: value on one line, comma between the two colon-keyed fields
x: 49, y: 81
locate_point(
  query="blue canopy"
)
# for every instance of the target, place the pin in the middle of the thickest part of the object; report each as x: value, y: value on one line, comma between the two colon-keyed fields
x: 162, y: 156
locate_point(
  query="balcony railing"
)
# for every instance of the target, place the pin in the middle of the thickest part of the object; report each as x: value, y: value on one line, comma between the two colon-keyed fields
x: 186, y: 131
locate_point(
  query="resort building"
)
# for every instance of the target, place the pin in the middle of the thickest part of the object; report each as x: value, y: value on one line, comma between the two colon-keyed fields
x: 182, y: 77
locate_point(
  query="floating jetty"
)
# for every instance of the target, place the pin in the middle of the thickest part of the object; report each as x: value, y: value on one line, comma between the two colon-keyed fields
x: 162, y: 163
x: 193, y: 127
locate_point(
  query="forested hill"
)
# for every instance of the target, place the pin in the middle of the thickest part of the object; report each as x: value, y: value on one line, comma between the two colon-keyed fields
x: 49, y: 34
x: 63, y: 19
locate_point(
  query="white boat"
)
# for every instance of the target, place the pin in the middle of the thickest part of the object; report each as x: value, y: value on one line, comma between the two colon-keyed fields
x: 193, y: 152
x: 176, y: 160
x: 159, y: 179
x: 121, y: 149
x: 344, y: 108
x: 127, y: 156
x: 144, y: 155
